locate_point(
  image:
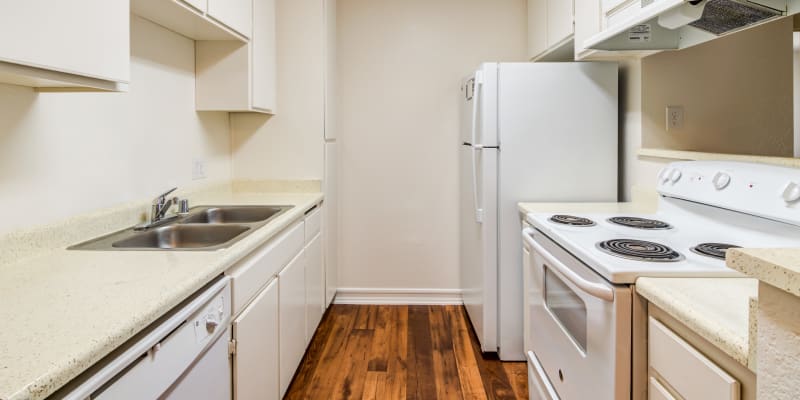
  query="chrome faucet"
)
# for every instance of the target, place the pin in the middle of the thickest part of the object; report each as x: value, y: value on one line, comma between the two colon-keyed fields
x: 158, y: 211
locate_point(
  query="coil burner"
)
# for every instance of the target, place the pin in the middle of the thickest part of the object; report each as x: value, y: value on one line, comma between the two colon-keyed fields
x: 713, y: 250
x: 639, y: 250
x: 640, y: 223
x: 571, y: 220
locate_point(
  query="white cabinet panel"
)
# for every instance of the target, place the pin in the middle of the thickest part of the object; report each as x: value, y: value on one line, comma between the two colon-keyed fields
x: 200, y: 5
x: 315, y: 286
x: 330, y: 224
x: 56, y: 43
x: 187, y: 17
x: 263, y: 51
x: 537, y: 27
x: 255, y: 371
x: 313, y: 224
x: 254, y: 271
x: 292, y: 312
x: 559, y: 21
x: 657, y: 392
x: 685, y: 369
x: 235, y: 14
x: 237, y: 77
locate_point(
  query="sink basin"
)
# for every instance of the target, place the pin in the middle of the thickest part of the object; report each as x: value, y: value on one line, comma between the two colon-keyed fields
x: 232, y: 215
x: 205, y: 228
x: 182, y: 237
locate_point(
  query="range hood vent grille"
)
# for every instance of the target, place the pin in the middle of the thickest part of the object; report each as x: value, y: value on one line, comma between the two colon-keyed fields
x: 722, y: 16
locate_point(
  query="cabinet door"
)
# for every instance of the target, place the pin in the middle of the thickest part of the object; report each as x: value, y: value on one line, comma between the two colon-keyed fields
x: 235, y: 14
x: 292, y: 312
x: 315, y: 286
x: 90, y: 38
x: 255, y: 371
x: 560, y: 18
x: 263, y: 70
x: 330, y: 225
x: 200, y: 5
x: 537, y: 27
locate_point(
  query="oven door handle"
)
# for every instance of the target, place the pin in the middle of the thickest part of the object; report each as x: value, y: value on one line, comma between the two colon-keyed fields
x: 600, y: 291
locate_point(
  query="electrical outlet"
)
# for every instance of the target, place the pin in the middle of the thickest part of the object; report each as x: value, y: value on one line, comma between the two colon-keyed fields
x: 674, y: 118
x: 198, y: 169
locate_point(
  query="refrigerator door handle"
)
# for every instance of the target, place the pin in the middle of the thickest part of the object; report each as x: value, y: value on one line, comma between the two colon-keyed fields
x: 476, y: 98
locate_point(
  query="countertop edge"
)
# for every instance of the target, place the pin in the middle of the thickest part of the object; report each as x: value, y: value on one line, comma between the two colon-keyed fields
x: 777, y: 267
x: 729, y: 342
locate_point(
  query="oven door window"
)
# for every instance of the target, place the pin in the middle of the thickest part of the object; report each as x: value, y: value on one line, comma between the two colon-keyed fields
x: 567, y: 307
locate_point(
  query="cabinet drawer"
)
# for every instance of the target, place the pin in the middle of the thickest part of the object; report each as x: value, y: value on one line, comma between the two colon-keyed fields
x: 685, y: 369
x: 252, y: 273
x: 657, y: 392
x: 313, y: 223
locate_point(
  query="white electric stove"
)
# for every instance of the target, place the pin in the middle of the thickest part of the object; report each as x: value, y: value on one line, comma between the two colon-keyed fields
x: 579, y: 267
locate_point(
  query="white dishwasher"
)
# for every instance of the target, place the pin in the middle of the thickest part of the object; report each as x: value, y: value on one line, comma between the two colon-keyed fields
x: 182, y: 356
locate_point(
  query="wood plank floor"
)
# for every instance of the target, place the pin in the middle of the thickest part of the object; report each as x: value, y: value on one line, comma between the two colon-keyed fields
x: 402, y: 352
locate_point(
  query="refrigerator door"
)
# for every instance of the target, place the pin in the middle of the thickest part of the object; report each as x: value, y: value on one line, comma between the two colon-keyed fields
x: 478, y: 218
x: 558, y: 143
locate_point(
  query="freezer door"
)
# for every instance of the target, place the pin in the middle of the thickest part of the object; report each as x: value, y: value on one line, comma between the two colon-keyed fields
x: 479, y: 107
x: 478, y: 241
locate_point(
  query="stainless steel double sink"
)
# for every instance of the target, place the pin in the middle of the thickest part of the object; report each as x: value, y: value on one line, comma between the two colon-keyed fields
x: 203, y: 228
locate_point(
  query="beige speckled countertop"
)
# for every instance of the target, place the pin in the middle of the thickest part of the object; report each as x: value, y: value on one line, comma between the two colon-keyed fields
x: 718, y: 309
x: 65, y: 310
x: 777, y: 267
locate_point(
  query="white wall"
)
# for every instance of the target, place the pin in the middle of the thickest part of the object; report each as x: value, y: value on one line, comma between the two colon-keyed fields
x: 400, y: 64
x: 62, y: 154
x: 290, y: 144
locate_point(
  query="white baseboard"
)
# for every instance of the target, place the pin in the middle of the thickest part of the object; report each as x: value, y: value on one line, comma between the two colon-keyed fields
x: 398, y: 296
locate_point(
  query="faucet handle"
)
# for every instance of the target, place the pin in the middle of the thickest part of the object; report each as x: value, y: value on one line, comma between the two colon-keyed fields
x: 183, y: 206
x: 163, y: 197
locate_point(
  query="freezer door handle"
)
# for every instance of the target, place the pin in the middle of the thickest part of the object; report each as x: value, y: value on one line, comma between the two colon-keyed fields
x: 478, y: 84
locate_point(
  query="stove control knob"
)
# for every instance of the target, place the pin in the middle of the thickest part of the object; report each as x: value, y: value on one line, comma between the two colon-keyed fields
x: 675, y: 175
x: 663, y: 176
x: 791, y: 193
x: 721, y: 180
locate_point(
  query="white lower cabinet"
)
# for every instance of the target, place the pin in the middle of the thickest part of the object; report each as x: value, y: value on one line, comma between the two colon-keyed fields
x: 255, y: 363
x: 315, y: 286
x: 279, y: 295
x: 677, y: 365
x: 292, y: 312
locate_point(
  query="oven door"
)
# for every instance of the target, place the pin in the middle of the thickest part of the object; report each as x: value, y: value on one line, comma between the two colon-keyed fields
x: 579, y: 325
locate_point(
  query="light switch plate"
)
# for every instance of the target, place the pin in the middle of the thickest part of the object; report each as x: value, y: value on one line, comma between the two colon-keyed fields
x: 674, y: 118
x: 198, y: 169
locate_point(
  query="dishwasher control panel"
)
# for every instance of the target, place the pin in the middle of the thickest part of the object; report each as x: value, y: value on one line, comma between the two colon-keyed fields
x: 213, y: 317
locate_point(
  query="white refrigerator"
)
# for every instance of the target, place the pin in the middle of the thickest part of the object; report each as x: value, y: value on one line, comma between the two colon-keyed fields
x: 530, y: 132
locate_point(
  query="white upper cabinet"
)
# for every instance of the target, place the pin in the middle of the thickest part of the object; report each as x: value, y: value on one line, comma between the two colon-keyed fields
x: 587, y: 23
x: 264, y: 64
x: 65, y: 44
x: 200, y: 19
x: 200, y: 5
x: 235, y: 14
x: 237, y: 77
x: 560, y: 21
x: 537, y: 27
x: 550, y: 30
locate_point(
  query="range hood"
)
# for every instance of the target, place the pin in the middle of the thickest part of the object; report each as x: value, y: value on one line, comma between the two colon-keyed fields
x: 677, y: 24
